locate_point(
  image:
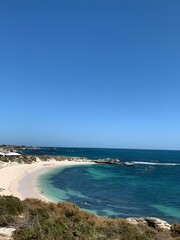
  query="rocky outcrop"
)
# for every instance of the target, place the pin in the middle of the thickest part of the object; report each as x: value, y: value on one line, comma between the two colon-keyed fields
x: 151, y: 222
x: 107, y: 161
x: 6, y: 233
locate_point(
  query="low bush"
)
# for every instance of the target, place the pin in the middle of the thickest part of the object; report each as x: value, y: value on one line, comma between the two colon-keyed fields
x: 175, y: 230
x: 10, y: 208
x: 10, y: 205
x: 37, y: 220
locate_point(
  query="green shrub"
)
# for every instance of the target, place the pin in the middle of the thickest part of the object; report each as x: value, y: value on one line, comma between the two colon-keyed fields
x: 10, y: 208
x: 25, y: 234
x: 10, y: 205
x: 175, y: 229
x: 6, y: 220
x: 37, y: 220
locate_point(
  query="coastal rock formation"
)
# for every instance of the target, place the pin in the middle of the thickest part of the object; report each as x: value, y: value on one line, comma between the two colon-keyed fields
x: 151, y: 222
x: 107, y: 161
x: 129, y: 164
x: 6, y: 233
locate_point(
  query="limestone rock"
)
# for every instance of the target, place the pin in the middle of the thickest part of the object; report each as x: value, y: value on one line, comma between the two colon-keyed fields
x: 6, y: 233
x: 151, y: 222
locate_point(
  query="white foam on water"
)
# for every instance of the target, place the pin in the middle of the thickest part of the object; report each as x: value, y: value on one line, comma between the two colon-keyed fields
x: 160, y: 164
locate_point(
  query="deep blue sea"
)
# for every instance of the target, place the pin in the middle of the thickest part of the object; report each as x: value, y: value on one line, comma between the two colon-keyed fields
x: 150, y: 188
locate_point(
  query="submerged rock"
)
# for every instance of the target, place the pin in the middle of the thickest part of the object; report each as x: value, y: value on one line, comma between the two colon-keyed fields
x: 130, y: 164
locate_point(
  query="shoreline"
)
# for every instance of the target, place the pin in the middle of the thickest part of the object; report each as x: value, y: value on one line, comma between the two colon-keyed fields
x: 19, y: 180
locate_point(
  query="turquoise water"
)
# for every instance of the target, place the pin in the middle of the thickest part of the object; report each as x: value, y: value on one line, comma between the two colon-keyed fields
x: 150, y: 188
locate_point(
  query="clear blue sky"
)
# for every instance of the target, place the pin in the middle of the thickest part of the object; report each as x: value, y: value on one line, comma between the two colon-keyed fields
x: 97, y: 73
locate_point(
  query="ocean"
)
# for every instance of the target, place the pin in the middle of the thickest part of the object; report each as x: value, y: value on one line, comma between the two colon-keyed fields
x: 150, y: 188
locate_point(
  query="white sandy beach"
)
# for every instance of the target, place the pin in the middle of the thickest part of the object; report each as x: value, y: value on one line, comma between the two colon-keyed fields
x: 19, y: 180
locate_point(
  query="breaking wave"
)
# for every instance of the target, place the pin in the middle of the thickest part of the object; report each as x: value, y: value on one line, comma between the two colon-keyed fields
x: 160, y: 164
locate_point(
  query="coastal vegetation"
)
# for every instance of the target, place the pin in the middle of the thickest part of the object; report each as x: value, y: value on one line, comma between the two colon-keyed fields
x: 28, y: 159
x: 34, y: 219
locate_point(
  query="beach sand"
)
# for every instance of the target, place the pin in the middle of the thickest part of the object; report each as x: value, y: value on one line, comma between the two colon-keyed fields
x: 19, y: 180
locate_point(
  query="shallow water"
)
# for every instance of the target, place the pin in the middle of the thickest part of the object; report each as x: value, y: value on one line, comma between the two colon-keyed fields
x: 150, y: 188
x: 117, y: 190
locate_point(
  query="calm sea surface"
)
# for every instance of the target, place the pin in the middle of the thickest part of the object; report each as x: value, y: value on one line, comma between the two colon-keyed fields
x: 150, y: 188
